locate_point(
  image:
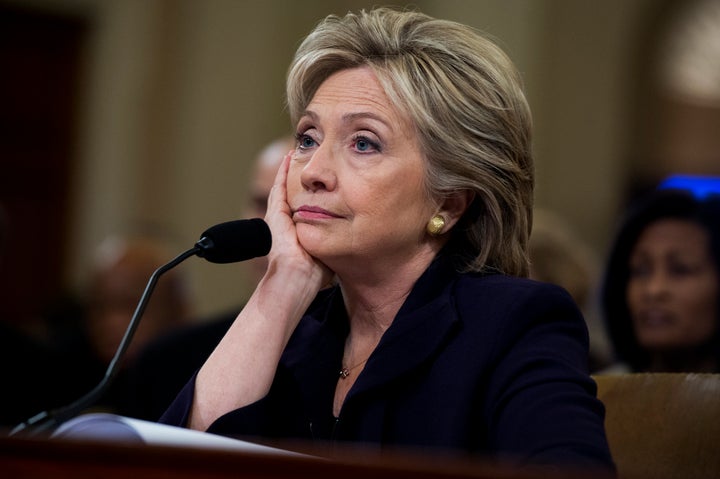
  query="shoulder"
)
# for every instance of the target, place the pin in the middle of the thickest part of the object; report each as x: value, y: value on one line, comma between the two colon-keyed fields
x: 508, y: 293
x: 511, y: 307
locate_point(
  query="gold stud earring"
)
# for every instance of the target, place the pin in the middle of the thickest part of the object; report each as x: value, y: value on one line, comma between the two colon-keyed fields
x: 435, y: 225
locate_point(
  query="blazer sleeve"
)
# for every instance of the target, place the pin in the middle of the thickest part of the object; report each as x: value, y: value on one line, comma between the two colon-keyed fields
x: 178, y: 413
x: 272, y: 416
x: 541, y: 399
x: 250, y: 420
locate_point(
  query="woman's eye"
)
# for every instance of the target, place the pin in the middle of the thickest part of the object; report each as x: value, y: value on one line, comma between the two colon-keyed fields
x: 305, y: 141
x: 638, y: 270
x: 363, y: 145
x: 680, y: 269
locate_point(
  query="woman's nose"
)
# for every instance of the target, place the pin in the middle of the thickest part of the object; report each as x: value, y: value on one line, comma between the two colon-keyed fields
x: 318, y: 173
x: 656, y: 283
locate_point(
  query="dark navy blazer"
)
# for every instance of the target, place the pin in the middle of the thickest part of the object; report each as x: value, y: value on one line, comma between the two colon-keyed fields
x: 490, y: 365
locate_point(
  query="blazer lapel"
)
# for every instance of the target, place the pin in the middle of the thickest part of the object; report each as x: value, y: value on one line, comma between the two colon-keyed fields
x: 419, y: 330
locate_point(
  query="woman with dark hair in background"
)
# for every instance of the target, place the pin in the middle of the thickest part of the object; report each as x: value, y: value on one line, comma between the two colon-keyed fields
x: 661, y: 287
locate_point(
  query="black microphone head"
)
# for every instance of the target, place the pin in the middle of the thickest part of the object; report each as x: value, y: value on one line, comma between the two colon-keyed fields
x: 234, y: 241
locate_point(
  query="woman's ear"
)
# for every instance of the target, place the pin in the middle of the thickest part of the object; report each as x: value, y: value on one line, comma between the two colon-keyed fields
x: 455, y: 206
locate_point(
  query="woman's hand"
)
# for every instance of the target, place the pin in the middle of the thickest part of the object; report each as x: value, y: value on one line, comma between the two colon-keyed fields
x: 241, y: 369
x: 287, y: 254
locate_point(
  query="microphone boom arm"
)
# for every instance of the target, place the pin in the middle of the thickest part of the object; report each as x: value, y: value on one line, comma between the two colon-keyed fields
x: 52, y: 418
x: 227, y: 242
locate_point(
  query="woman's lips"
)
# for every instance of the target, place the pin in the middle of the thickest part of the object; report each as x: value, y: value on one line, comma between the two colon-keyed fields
x: 655, y: 318
x: 313, y: 213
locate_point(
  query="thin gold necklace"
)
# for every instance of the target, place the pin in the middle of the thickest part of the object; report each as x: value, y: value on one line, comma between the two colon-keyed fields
x: 345, y: 372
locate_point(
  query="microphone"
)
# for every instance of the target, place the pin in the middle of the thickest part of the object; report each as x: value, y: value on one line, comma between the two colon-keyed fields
x: 228, y: 242
x: 235, y: 241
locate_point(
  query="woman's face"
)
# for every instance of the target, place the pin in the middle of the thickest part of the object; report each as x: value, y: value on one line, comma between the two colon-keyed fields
x: 356, y: 181
x: 672, y: 293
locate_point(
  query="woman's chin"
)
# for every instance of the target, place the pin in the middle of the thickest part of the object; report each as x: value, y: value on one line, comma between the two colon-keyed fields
x: 312, y: 241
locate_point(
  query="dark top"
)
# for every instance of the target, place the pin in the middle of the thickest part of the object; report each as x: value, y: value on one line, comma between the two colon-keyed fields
x: 485, y: 364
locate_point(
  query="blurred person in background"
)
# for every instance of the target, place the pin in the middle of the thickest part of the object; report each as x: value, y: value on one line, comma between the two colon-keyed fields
x: 86, y: 330
x: 559, y: 256
x: 661, y: 290
x: 121, y: 269
x: 165, y: 365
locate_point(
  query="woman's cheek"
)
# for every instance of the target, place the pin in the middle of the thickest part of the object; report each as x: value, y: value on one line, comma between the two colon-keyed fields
x: 292, y: 183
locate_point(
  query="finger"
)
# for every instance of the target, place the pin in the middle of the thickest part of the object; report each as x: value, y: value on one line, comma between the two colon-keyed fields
x: 281, y: 176
x: 278, y: 192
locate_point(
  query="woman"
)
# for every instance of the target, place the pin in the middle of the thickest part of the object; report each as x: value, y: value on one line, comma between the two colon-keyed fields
x: 411, y: 185
x: 660, y: 291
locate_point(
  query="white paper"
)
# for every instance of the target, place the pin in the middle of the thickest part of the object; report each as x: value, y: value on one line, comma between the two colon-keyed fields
x: 109, y: 427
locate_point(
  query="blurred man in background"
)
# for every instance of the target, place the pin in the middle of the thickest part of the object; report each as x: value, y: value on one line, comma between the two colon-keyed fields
x: 164, y: 367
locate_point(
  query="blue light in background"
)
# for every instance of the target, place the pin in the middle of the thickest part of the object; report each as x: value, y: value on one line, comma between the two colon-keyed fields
x: 700, y: 186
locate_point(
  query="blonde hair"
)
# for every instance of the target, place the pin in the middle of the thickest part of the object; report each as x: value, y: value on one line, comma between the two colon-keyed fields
x: 465, y: 100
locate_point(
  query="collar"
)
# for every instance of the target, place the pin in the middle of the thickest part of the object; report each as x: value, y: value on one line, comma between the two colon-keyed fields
x: 418, y: 331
